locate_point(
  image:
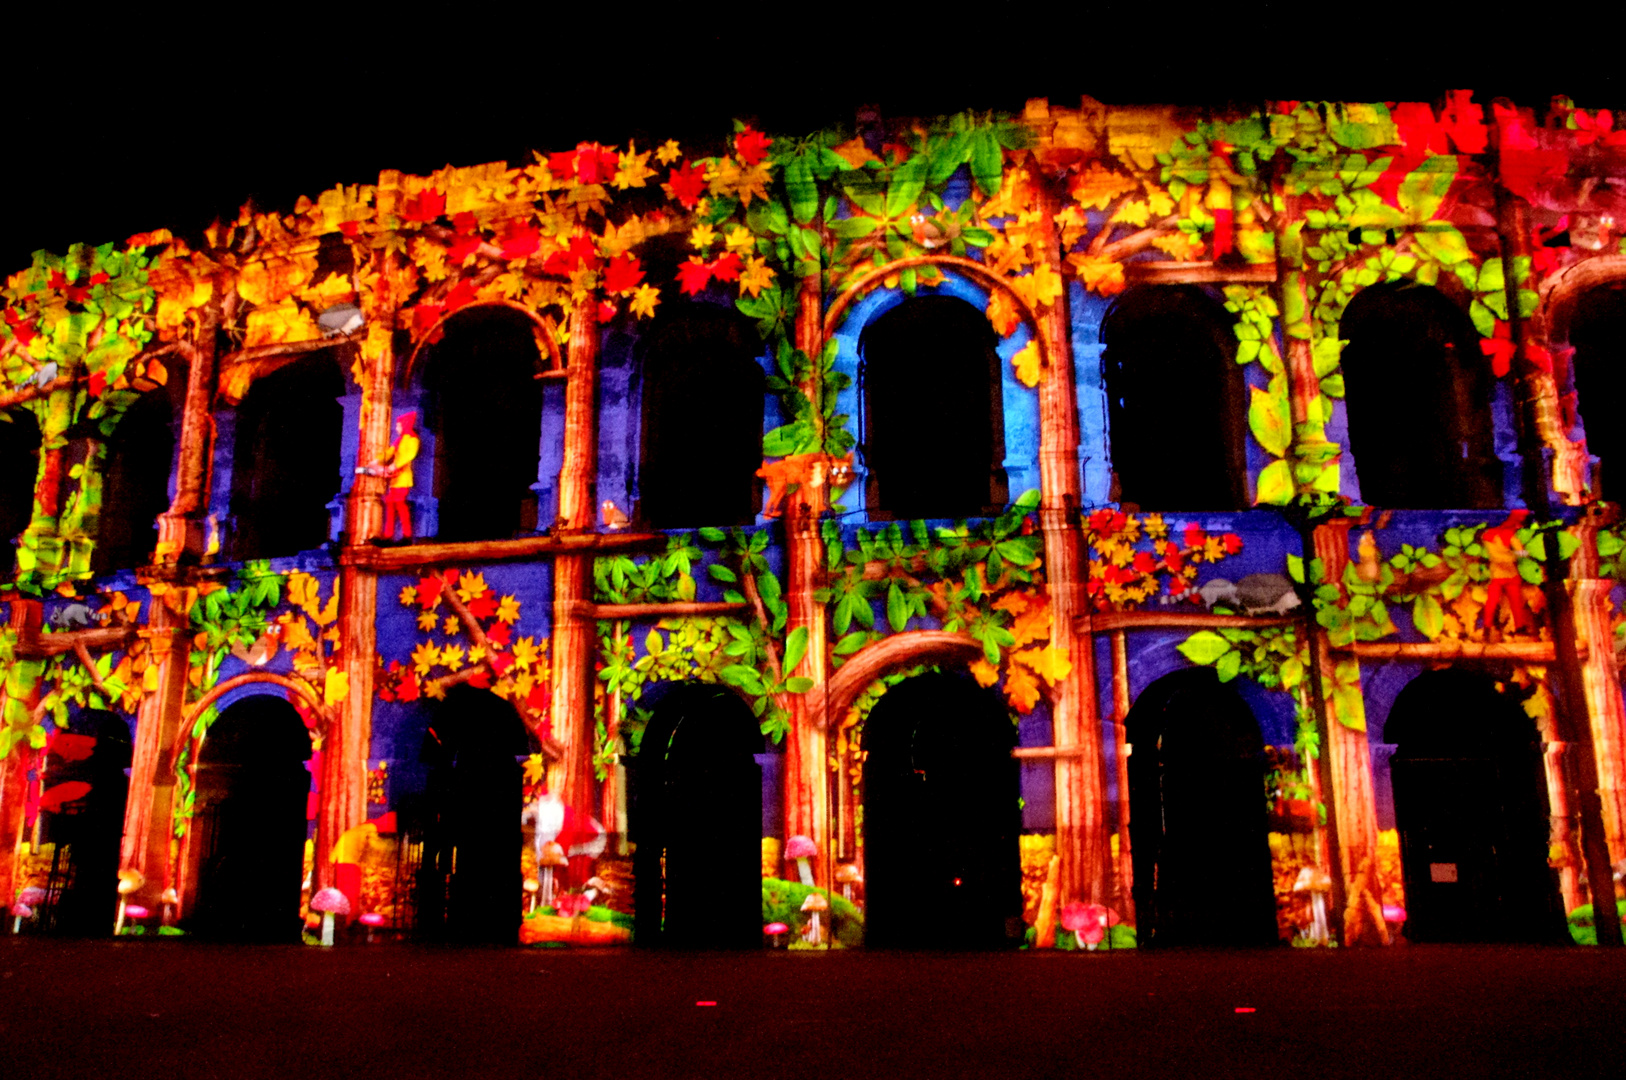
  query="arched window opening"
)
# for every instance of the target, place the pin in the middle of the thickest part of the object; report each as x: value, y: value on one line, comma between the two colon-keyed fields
x: 469, y: 885
x: 702, y: 420
x: 1471, y: 807
x: 942, y: 817
x: 934, y: 431
x: 1176, y: 403
x: 484, y: 406
x: 1598, y: 332
x: 696, y: 817
x: 248, y: 828
x: 285, y: 466
x: 1197, y: 815
x: 135, y: 483
x: 82, y: 798
x: 1418, y: 392
x: 19, y: 467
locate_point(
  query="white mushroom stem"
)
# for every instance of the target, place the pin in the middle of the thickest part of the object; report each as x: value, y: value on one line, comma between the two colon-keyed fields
x: 814, y: 935
x: 805, y: 872
x: 547, y: 886
x: 16, y: 925
x: 327, y: 928
x: 118, y: 923
x: 1318, y: 925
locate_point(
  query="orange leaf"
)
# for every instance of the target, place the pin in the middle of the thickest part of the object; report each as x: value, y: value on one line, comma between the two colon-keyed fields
x: 1097, y: 187
x: 1026, y: 364
x: 1021, y: 688
x: 1003, y: 313
x: 1032, y: 624
x: 984, y: 672
x: 1050, y: 663
x: 1100, y: 275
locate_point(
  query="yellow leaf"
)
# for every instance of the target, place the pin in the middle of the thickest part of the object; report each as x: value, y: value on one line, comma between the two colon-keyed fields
x: 740, y: 239
x: 984, y: 672
x: 1050, y: 663
x: 508, y: 610
x: 1100, y: 275
x: 1032, y: 624
x: 1096, y: 187
x: 272, y: 279
x: 1003, y: 313
x: 1026, y: 364
x: 1182, y: 246
x: 279, y: 323
x: 424, y: 657
x: 335, y: 289
x: 329, y: 611
x: 296, y: 634
x: 1133, y: 212
x: 854, y: 152
x: 1038, y: 288
x: 668, y: 152
x: 644, y: 301
x: 477, y: 653
x: 525, y: 652
x: 149, y: 678
x: 409, y: 595
x: 471, y: 587
x: 336, y: 687
x: 1021, y: 688
x: 702, y: 236
x: 452, y: 657
x: 1158, y: 201
x: 1014, y: 602
x: 633, y: 170
x: 427, y: 620
x: 756, y: 276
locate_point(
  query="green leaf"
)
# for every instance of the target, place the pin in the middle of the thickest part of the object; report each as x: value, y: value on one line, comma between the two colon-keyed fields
x: 1275, y: 484
x: 712, y: 535
x: 1324, y: 355
x: 798, y: 684
x: 720, y: 572
x: 1295, y: 568
x: 897, y: 608
x: 1482, y: 319
x: 1269, y: 419
x: 1428, y: 616
x: 1422, y: 191
x: 795, y: 647
x: 1204, y: 647
x: 1491, y: 278
x: 851, y: 643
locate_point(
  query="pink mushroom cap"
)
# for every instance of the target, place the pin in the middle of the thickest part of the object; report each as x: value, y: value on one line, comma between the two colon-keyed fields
x: 21, y: 910
x: 330, y: 900
x: 776, y: 928
x: 372, y: 918
x: 800, y: 847
x: 31, y: 895
x: 1394, y: 913
x: 136, y: 911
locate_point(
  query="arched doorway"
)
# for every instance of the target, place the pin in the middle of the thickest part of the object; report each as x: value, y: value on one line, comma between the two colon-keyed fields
x: 248, y: 827
x: 696, y: 816
x: 1159, y: 338
x: 942, y: 817
x: 470, y: 883
x: 1197, y: 815
x: 285, y: 466
x: 483, y: 405
x: 19, y: 468
x: 1418, y: 395
x: 702, y: 420
x: 934, y: 429
x: 1471, y: 807
x: 135, y: 486
x: 82, y: 806
x: 1598, y: 332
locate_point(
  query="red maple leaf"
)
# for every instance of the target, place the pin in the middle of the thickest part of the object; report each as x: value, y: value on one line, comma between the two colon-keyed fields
x: 563, y: 164
x: 464, y: 245
x: 58, y: 280
x: 1232, y: 542
x: 462, y: 295
x: 557, y: 264
x: 481, y: 679
x: 99, y: 278
x: 98, y: 383
x: 408, y: 689
x: 77, y: 294
x: 688, y: 184
x: 1193, y: 536
x: 1173, y: 560
x: 624, y: 274
x: 1420, y: 132
x: 1177, y: 586
x: 483, y: 606
x: 1500, y: 349
x: 726, y: 267
x: 693, y: 276
x: 520, y: 241
x: 1524, y: 163
x: 594, y: 163
x: 424, y: 207
x: 1465, y: 121
x: 606, y: 311
x: 428, y: 591
x: 424, y: 318
x: 751, y: 146
x: 539, y: 699
x: 501, y: 662
x: 499, y: 633
x: 1143, y: 562
x: 352, y: 229
x: 583, y: 252
x: 466, y: 223
x: 1539, y: 356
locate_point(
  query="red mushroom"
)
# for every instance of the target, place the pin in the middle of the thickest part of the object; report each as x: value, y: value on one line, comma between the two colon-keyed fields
x: 329, y: 902
x: 1088, y: 922
x: 801, y: 849
x: 19, y: 912
x: 775, y: 931
x: 372, y: 920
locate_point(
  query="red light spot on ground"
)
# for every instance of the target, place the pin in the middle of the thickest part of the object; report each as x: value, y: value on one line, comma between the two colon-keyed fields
x: 705, y: 1003
x: 1246, y: 1008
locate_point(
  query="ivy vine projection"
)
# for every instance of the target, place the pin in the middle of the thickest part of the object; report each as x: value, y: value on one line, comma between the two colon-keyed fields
x: 1418, y: 396
x: 19, y: 464
x: 1157, y: 339
x: 934, y: 439
x: 285, y: 468
x: 484, y: 408
x: 701, y: 388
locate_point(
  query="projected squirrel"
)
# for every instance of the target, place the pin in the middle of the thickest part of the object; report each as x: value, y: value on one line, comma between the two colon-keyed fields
x: 814, y: 470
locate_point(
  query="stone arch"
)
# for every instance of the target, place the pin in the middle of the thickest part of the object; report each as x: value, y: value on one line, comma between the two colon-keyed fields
x: 546, y: 331
x: 1562, y: 295
x: 896, y: 652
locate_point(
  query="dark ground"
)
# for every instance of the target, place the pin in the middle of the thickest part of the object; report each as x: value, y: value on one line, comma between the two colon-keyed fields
x: 178, y: 1010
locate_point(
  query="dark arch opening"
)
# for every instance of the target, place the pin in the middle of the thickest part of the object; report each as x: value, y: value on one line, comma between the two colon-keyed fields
x: 696, y: 816
x: 469, y: 882
x: 702, y: 420
x: 83, y: 800
x: 1598, y: 332
x: 1418, y: 393
x: 1197, y: 815
x: 19, y: 467
x: 934, y: 428
x: 1471, y: 807
x: 1176, y: 403
x: 484, y: 406
x: 249, y: 823
x: 285, y: 465
x: 135, y: 484
x: 942, y: 818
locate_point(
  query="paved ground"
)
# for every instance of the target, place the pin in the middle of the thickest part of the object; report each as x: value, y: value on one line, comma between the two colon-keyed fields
x: 179, y: 1009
